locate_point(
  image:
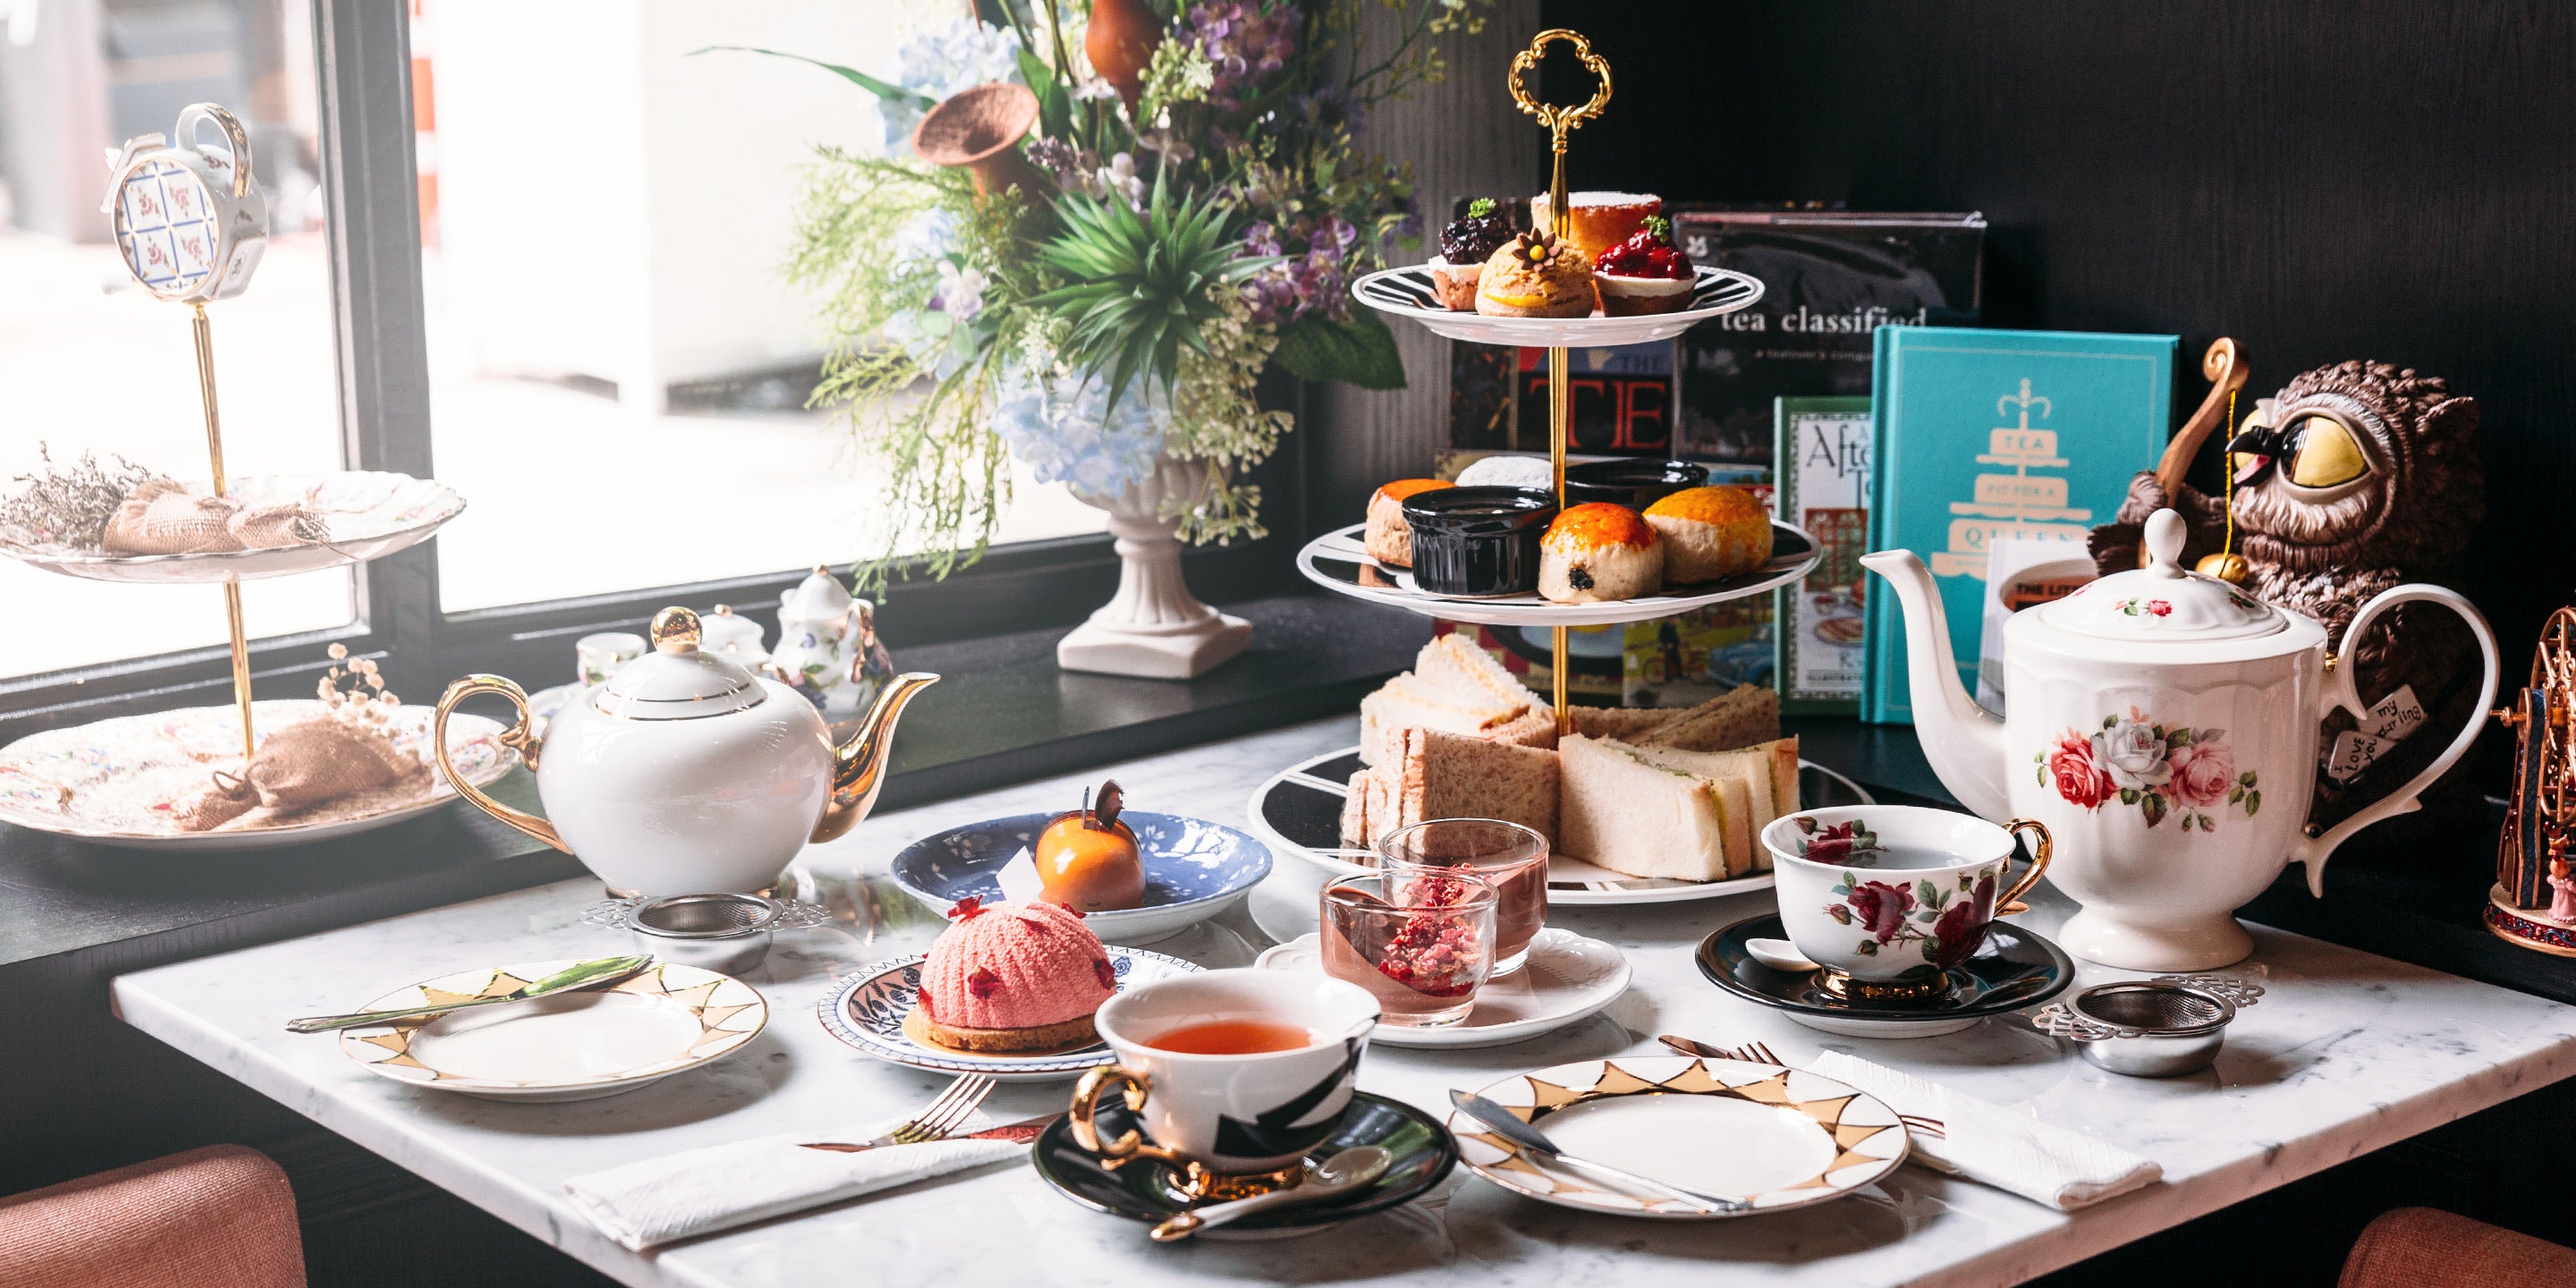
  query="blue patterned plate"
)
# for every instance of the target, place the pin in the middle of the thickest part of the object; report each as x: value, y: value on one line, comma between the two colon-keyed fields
x: 1193, y: 870
x: 867, y: 1009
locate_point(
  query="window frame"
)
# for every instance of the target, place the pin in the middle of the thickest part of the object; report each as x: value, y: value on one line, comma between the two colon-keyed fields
x: 371, y: 190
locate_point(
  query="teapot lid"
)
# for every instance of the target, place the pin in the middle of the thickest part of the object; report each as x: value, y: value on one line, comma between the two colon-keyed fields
x: 820, y: 597
x: 2163, y: 601
x: 676, y: 681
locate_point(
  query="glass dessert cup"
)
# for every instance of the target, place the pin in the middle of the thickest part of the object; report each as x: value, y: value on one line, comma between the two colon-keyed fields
x: 1420, y: 943
x: 1511, y: 857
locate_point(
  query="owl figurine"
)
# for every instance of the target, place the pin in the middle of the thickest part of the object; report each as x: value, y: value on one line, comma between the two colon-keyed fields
x: 2352, y: 479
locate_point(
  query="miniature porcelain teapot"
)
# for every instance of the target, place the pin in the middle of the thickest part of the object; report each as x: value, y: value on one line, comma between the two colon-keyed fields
x: 2155, y: 715
x: 190, y: 220
x: 827, y: 645
x: 685, y: 773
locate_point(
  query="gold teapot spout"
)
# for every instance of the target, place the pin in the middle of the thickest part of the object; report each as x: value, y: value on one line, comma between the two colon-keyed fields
x: 858, y: 766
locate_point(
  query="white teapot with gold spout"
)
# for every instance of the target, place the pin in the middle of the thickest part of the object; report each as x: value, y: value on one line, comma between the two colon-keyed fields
x: 2163, y: 725
x: 685, y: 773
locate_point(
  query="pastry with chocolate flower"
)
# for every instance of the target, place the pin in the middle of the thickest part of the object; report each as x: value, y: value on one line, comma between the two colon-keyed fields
x: 1465, y: 245
x: 1536, y: 276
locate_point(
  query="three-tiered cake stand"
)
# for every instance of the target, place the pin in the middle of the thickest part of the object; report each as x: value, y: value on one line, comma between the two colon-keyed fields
x: 191, y: 225
x: 1298, y: 810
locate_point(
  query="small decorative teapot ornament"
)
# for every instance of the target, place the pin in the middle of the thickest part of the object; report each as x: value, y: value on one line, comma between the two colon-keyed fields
x: 191, y: 222
x: 827, y: 646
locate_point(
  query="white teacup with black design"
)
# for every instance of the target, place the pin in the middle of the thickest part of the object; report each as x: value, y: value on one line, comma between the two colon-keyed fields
x: 1238, y: 1071
x: 1887, y: 898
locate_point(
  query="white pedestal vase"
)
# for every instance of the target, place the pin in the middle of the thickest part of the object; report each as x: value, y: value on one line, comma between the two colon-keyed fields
x: 1154, y: 627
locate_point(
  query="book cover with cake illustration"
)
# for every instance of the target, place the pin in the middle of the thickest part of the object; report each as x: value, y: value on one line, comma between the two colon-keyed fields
x: 1979, y: 435
x: 1822, y: 449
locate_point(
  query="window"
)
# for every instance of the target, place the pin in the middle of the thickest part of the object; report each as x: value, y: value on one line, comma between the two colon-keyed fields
x: 618, y: 369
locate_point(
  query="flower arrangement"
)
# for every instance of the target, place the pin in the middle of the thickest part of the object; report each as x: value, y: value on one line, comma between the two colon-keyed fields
x: 1102, y: 291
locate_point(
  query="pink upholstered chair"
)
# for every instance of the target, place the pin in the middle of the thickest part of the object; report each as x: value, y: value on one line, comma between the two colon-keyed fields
x: 2428, y: 1248
x: 218, y: 1217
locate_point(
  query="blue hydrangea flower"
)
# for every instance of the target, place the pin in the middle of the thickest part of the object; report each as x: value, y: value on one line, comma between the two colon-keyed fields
x: 1053, y: 422
x: 939, y: 60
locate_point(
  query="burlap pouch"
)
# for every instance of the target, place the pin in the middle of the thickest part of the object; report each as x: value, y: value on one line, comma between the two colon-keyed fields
x: 266, y: 527
x: 305, y: 764
x: 161, y: 517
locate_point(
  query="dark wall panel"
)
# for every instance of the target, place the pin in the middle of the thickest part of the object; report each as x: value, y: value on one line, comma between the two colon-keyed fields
x: 2391, y: 179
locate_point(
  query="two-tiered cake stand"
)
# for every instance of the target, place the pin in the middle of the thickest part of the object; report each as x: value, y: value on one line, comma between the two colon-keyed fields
x: 191, y: 225
x: 1299, y: 810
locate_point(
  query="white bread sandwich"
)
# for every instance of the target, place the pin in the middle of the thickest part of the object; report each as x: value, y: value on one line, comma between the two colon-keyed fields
x: 1455, y: 687
x: 1769, y: 773
x: 1619, y: 810
x: 1445, y: 775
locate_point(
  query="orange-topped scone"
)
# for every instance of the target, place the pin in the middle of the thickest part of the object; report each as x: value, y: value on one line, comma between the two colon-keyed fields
x: 1536, y: 276
x: 1597, y: 221
x: 1599, y: 552
x: 1711, y: 532
x: 1013, y: 977
x: 1089, y: 861
x: 1390, y: 538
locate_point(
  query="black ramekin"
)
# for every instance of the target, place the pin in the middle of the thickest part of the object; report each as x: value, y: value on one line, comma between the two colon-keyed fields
x: 1478, y: 541
x: 1636, y: 483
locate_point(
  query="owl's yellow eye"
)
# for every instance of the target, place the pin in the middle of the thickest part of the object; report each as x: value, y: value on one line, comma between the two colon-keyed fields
x: 2326, y: 455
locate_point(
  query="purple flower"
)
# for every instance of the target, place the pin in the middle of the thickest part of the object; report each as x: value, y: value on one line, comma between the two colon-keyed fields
x: 1332, y: 107
x: 1243, y: 44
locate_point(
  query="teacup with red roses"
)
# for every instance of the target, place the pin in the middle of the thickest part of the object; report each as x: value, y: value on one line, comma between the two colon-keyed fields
x: 1895, y: 893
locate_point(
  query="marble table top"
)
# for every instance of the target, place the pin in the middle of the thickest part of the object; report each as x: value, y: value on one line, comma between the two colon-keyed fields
x: 2346, y: 1053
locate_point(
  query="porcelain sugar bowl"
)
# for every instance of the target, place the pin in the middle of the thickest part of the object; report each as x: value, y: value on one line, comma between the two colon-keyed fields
x: 685, y: 773
x: 2164, y: 726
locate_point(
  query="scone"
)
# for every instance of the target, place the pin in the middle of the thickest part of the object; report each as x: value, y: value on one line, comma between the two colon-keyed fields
x: 1711, y: 532
x: 1389, y: 538
x: 1599, y: 552
x: 1465, y: 245
x: 1013, y: 977
x: 1536, y: 276
x: 1597, y: 221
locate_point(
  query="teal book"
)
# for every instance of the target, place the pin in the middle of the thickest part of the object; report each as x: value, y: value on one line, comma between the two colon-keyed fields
x: 1978, y: 436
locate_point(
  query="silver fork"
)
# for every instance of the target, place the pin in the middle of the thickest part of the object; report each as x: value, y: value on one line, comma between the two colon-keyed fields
x: 936, y: 1119
x: 1760, y: 1053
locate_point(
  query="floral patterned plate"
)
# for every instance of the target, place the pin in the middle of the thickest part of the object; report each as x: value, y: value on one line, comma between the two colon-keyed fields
x: 2014, y: 968
x: 572, y: 1046
x: 869, y: 1007
x: 1772, y: 1136
x: 113, y: 782
x: 370, y: 514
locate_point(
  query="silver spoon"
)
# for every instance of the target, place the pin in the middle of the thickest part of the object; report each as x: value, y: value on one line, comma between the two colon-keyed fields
x: 1340, y: 1174
x: 597, y: 973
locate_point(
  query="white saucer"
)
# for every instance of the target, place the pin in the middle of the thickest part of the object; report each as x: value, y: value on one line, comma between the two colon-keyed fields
x: 1568, y: 978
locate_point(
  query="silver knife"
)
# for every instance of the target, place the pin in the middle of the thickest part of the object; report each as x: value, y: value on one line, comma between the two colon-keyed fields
x: 1511, y: 1128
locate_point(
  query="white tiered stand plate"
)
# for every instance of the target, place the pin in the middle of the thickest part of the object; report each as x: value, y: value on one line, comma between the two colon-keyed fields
x: 1408, y: 293
x: 1339, y: 560
x: 371, y: 514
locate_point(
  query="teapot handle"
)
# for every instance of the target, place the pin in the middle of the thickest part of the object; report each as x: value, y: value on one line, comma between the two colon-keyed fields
x: 235, y: 137
x: 517, y: 738
x: 2342, y: 691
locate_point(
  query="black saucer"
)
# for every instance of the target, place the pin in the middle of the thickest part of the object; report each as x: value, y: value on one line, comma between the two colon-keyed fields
x: 1151, y: 1192
x: 2014, y: 968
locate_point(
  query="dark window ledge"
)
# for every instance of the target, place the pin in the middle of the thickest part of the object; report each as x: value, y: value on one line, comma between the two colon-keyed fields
x: 1003, y: 714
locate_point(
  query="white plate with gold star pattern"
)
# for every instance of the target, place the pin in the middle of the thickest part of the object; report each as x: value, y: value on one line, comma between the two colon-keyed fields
x: 570, y: 1046
x: 1774, y: 1137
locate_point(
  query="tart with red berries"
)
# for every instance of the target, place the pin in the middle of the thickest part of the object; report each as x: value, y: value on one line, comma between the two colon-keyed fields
x: 1645, y: 274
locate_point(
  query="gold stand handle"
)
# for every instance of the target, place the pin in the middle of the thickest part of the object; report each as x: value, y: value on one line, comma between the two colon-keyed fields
x: 517, y: 737
x: 2011, y: 902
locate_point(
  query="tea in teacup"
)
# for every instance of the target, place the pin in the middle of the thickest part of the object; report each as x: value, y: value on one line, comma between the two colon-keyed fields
x: 1238, y: 1071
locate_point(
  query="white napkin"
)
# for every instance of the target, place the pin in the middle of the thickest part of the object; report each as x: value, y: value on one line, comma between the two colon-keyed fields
x: 1987, y: 1142
x: 721, y: 1186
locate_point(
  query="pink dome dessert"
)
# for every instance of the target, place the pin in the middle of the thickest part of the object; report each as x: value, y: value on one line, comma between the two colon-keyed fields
x: 1013, y: 977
